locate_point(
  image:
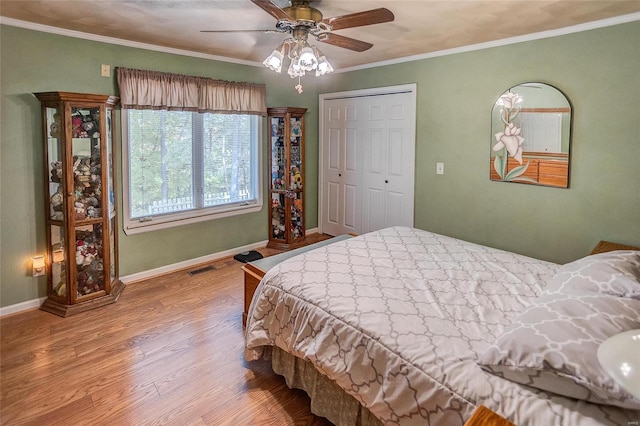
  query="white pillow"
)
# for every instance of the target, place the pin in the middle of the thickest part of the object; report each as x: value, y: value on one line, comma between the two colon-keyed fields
x: 616, y: 273
x: 553, y: 346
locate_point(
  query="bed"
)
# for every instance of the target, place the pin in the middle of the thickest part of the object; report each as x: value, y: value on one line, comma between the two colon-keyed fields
x: 404, y: 326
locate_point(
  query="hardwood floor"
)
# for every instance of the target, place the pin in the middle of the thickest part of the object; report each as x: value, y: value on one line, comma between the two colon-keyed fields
x: 170, y: 351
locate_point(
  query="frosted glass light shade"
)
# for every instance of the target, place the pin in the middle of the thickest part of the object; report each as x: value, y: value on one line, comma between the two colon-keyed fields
x: 295, y: 70
x: 324, y: 67
x: 274, y: 61
x: 308, y: 60
x: 619, y: 355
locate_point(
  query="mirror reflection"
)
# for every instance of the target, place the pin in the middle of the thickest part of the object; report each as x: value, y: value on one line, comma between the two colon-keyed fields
x: 530, y: 136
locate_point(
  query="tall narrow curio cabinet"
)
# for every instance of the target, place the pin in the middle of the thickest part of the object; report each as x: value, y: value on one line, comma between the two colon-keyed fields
x: 286, y: 188
x: 82, y: 241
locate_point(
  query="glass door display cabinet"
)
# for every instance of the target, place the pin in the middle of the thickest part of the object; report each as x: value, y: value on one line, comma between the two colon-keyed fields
x: 82, y: 243
x: 286, y: 188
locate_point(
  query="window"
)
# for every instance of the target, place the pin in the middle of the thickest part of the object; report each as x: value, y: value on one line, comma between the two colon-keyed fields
x: 181, y: 167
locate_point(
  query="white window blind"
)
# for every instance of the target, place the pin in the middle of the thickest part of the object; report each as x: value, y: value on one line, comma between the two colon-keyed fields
x: 188, y: 166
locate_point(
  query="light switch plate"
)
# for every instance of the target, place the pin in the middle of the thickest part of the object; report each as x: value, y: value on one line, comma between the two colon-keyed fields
x: 440, y: 168
x: 105, y: 70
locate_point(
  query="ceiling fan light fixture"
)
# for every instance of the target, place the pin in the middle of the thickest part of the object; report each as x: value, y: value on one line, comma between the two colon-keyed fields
x: 295, y: 70
x: 307, y: 60
x: 275, y: 59
x: 323, y: 67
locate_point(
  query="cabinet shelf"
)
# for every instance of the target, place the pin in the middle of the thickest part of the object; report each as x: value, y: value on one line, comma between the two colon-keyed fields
x: 84, y: 222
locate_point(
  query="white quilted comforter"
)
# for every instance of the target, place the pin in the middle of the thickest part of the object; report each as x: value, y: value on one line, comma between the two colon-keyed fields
x: 397, y: 319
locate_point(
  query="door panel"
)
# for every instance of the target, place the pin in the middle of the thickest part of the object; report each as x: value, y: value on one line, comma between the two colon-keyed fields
x: 376, y: 112
x: 334, y: 193
x: 397, y: 112
x: 396, y: 154
x: 373, y: 216
x: 396, y: 201
x: 350, y: 207
x: 334, y: 149
x: 331, y: 193
x: 374, y: 151
x: 341, y: 155
x: 350, y: 170
x: 351, y: 150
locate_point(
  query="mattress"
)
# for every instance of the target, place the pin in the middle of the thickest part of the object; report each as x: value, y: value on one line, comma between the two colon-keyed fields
x: 397, y: 319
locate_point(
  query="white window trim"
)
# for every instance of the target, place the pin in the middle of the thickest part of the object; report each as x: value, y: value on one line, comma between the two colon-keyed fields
x: 138, y: 226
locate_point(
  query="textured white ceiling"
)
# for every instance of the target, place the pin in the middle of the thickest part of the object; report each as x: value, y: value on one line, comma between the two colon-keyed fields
x: 420, y: 27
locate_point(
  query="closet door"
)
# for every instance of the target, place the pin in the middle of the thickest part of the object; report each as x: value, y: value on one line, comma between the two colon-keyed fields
x: 341, y: 159
x: 388, y: 167
x: 367, y: 163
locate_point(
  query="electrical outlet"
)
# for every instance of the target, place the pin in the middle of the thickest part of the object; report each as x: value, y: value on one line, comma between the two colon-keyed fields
x: 105, y: 70
x: 440, y: 168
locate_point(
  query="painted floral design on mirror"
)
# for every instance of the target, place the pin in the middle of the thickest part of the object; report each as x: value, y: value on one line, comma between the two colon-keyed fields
x: 530, y: 136
x: 509, y: 141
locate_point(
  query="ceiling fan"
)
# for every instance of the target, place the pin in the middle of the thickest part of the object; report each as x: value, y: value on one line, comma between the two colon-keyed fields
x: 301, y: 20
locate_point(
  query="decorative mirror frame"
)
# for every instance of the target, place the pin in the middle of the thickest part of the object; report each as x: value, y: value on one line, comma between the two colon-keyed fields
x: 531, y: 136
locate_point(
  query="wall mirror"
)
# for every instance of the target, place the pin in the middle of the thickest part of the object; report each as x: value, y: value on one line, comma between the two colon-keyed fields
x: 531, y: 135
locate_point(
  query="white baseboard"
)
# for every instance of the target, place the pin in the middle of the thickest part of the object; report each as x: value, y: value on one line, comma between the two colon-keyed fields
x: 22, y: 306
x: 139, y: 276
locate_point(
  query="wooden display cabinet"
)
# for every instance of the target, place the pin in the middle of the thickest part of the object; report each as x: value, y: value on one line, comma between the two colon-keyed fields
x: 82, y: 241
x: 286, y: 187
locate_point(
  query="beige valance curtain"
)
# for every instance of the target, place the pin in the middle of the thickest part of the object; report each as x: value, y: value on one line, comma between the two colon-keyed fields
x: 142, y: 89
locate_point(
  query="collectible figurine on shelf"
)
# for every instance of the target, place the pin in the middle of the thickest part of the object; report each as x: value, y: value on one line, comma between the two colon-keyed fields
x: 76, y: 125
x: 296, y: 128
x: 56, y: 171
x: 91, y: 129
x: 296, y: 178
x: 55, y: 127
x: 57, y: 206
x: 277, y: 222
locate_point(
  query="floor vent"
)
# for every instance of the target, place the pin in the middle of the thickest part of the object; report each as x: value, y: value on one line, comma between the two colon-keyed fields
x: 201, y: 270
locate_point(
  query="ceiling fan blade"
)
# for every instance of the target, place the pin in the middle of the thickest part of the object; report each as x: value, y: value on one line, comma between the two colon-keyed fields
x: 359, y: 19
x: 242, y: 31
x: 273, y: 9
x: 345, y: 42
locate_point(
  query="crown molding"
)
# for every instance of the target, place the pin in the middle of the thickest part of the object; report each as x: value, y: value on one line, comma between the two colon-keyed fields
x: 121, y: 42
x: 622, y: 19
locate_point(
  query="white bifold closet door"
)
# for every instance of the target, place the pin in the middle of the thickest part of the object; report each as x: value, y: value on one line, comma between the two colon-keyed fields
x: 367, y: 163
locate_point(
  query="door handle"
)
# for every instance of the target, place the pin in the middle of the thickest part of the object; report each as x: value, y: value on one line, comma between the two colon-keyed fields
x: 386, y: 181
x: 339, y: 174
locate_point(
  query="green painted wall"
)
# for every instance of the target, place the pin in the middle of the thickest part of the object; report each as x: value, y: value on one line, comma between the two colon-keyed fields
x: 597, y: 70
x: 38, y: 62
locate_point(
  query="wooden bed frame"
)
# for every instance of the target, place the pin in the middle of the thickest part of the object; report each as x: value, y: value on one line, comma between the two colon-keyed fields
x: 605, y: 246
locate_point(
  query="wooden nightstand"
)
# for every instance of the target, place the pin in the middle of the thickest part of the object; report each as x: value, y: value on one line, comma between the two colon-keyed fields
x: 252, y: 276
x: 482, y: 416
x: 604, y: 246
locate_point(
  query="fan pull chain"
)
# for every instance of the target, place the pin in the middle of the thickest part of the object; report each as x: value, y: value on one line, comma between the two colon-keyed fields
x: 299, y: 86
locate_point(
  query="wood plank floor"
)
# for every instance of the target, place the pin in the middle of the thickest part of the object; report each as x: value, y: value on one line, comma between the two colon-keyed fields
x: 170, y: 351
